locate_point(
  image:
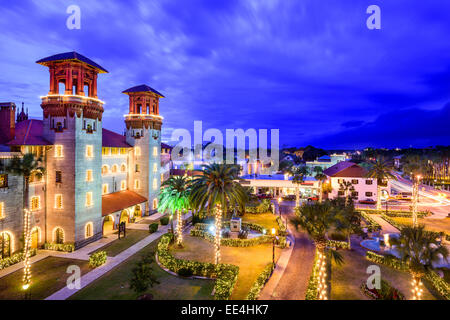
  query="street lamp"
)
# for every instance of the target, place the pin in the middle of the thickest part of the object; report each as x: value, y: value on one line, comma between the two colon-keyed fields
x: 273, y: 247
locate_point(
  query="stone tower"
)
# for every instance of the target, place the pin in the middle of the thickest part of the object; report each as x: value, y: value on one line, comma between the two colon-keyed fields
x: 143, y: 132
x: 72, y: 122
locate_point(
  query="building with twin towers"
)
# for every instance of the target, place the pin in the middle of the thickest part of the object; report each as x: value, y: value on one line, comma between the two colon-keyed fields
x: 94, y: 178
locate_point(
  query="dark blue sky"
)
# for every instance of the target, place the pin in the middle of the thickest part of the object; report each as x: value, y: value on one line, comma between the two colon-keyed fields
x: 310, y: 68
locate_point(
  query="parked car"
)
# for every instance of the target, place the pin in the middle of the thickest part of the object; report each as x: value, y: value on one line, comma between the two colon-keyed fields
x: 367, y: 201
x: 313, y: 199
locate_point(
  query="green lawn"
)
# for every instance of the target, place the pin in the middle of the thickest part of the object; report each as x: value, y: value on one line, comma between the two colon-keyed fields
x: 346, y: 279
x: 251, y: 260
x: 117, y: 246
x: 47, y: 276
x: 114, y: 285
x: 266, y: 220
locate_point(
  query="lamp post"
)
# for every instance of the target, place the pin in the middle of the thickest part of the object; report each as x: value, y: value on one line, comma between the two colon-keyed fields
x: 273, y: 248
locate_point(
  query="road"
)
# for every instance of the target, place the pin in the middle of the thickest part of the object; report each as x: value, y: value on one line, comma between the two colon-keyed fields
x: 294, y: 282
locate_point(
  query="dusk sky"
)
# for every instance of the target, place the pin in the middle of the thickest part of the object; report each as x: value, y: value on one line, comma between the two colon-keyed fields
x: 310, y: 68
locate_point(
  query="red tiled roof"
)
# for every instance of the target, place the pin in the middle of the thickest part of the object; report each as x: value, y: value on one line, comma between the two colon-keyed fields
x: 29, y: 133
x: 118, y: 201
x: 114, y: 140
x: 72, y: 56
x: 346, y: 169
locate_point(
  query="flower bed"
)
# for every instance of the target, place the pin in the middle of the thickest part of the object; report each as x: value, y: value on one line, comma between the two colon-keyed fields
x: 65, y: 247
x: 15, y: 258
x: 258, y: 285
x: 386, y: 292
x: 225, y: 274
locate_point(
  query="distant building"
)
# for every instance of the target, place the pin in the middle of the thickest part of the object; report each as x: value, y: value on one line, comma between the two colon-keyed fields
x: 326, y: 161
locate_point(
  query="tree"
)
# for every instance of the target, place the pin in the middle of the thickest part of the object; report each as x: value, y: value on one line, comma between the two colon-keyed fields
x: 380, y: 171
x: 419, y: 249
x: 217, y: 188
x: 27, y: 166
x: 415, y: 167
x: 175, y: 197
x: 347, y: 188
x: 142, y: 275
x: 321, y: 177
x: 348, y: 220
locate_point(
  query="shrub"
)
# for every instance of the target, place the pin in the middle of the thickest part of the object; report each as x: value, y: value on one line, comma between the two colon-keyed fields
x: 243, y: 234
x: 185, y: 272
x: 15, y: 258
x: 142, y: 275
x: 259, y: 283
x: 97, y: 259
x: 282, y: 230
x: 153, y: 227
x: 164, y: 221
x: 65, y: 247
x: 338, y: 236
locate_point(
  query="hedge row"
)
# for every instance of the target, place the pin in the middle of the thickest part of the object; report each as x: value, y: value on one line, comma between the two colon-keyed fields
x: 282, y: 230
x: 258, y: 285
x: 398, y: 213
x: 65, y: 247
x: 229, y: 242
x: 439, y: 284
x: 338, y: 244
x: 15, y: 258
x: 373, y: 226
x: 311, y: 290
x: 225, y: 274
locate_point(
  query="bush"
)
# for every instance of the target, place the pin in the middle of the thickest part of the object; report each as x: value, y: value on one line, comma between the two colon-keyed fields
x: 153, y: 227
x: 15, y: 258
x: 243, y: 234
x: 185, y: 272
x: 258, y: 285
x: 225, y: 274
x: 164, y: 221
x: 65, y: 247
x: 142, y: 275
x: 226, y: 233
x: 97, y: 259
x: 338, y: 236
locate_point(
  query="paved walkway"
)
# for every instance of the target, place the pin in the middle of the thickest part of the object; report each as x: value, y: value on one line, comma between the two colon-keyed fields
x: 385, y: 226
x: 294, y: 278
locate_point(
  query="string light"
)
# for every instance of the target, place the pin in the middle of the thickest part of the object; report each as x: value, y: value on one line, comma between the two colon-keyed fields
x: 417, y: 289
x: 27, y: 246
x: 322, y: 286
x: 179, y: 229
x: 218, y: 228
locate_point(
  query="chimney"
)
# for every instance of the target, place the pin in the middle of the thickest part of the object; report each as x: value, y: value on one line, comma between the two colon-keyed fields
x: 7, y: 121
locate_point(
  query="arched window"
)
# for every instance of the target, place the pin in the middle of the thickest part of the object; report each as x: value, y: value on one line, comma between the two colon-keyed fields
x: 88, y: 230
x: 58, y: 236
x: 114, y: 168
x: 123, y: 167
x: 105, y: 169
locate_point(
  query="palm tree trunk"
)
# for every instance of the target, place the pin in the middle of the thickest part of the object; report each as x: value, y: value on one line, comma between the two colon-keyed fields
x: 417, y: 287
x: 27, y: 237
x: 320, y: 191
x: 378, y: 196
x: 171, y: 224
x: 179, y: 228
x: 415, y: 193
x: 321, y: 276
x: 349, y: 241
x: 297, y: 196
x: 217, y: 239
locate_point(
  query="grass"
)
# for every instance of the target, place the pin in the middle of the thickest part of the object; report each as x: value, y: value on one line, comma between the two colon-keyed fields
x: 346, y: 279
x: 251, y: 260
x: 117, y: 246
x: 267, y: 220
x: 114, y: 284
x: 47, y: 276
x: 437, y: 225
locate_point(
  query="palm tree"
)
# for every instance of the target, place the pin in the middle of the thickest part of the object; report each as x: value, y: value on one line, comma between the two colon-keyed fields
x: 382, y: 172
x: 175, y: 197
x: 321, y: 177
x: 348, y: 220
x: 217, y: 188
x: 419, y: 249
x: 299, y: 174
x: 317, y: 219
x: 27, y: 166
x: 347, y: 188
x: 415, y: 167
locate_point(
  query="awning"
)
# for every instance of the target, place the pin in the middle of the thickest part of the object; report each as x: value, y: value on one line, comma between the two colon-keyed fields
x: 118, y: 201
